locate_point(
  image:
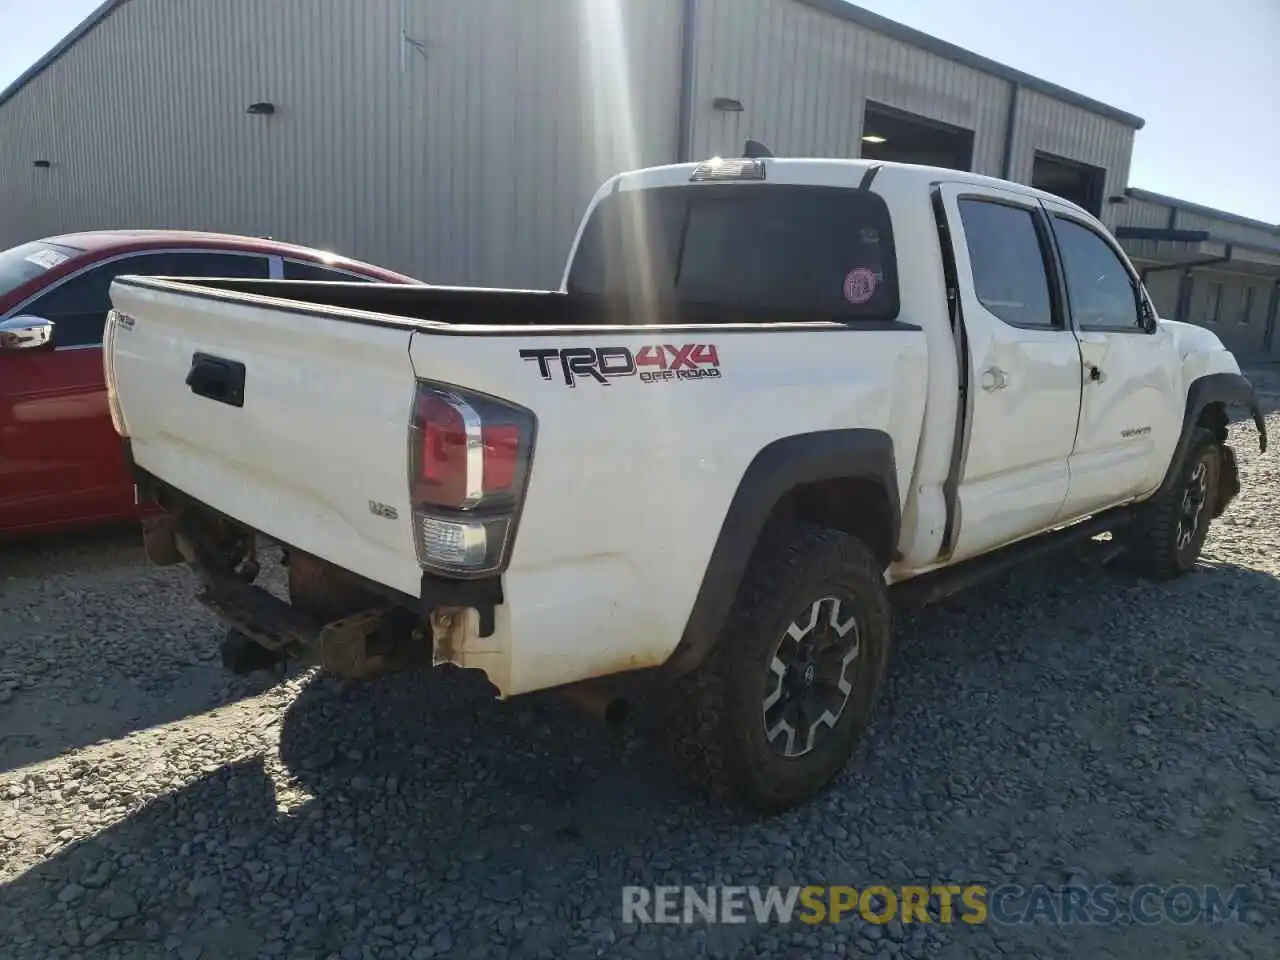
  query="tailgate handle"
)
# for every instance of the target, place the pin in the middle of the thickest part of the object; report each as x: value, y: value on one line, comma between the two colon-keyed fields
x: 216, y: 378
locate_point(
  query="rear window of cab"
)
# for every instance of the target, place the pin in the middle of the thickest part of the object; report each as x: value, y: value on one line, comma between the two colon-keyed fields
x: 807, y: 252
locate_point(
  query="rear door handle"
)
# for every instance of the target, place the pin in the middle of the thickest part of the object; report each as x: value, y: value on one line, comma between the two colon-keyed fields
x: 993, y: 378
x: 217, y: 379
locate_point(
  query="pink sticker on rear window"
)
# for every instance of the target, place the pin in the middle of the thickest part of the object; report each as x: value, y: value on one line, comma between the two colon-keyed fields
x: 859, y: 285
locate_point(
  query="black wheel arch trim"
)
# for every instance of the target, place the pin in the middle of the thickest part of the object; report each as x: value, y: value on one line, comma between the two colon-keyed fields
x: 779, y: 468
x: 1230, y: 389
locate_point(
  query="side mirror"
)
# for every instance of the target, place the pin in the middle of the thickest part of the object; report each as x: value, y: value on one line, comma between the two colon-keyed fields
x: 25, y: 332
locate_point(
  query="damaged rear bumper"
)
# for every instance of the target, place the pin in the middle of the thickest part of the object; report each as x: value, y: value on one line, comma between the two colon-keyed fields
x: 223, y: 555
x: 363, y: 645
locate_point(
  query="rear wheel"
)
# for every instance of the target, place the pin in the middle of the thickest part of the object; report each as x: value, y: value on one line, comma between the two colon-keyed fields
x: 1166, y: 541
x: 786, y: 694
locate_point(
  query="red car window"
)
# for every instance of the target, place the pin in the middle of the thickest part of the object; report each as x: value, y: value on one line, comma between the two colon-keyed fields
x: 294, y: 270
x: 25, y: 262
x: 78, y: 307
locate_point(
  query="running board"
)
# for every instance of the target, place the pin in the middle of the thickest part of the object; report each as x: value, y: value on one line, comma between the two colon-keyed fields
x: 939, y: 584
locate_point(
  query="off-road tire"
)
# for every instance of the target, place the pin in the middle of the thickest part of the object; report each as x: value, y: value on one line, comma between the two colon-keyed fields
x: 718, y: 725
x: 1156, y: 544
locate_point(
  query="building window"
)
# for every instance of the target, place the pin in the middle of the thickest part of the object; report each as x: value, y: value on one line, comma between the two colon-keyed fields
x: 1215, y: 303
x: 1246, y: 307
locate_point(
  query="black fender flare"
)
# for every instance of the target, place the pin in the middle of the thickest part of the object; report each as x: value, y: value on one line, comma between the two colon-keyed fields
x: 1230, y: 389
x: 780, y: 467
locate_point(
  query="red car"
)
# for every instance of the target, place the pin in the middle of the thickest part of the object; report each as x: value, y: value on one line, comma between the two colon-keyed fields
x: 61, y: 463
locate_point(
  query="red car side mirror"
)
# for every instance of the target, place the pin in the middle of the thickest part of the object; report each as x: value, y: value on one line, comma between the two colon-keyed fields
x: 25, y: 332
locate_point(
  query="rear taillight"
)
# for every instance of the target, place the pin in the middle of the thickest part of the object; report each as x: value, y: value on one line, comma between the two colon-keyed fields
x: 469, y: 463
x: 109, y: 373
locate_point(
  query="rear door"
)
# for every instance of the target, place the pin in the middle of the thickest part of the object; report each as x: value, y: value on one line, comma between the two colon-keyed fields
x: 1131, y: 408
x: 63, y: 460
x: 1023, y: 367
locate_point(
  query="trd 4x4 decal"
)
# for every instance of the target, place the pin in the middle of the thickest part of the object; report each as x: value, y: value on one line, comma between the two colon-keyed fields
x: 652, y: 363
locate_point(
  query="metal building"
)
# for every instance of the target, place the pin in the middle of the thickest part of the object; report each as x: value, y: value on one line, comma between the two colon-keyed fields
x: 460, y: 140
x: 1208, y: 267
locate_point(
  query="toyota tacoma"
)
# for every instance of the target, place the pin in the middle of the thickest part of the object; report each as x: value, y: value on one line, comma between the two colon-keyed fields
x: 769, y: 395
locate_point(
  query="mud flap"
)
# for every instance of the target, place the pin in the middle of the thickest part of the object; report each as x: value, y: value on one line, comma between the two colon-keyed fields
x: 345, y: 647
x: 1260, y: 422
x: 159, y: 545
x: 1228, y: 480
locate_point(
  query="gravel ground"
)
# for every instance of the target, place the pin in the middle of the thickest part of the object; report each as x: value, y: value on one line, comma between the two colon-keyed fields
x: 1062, y: 724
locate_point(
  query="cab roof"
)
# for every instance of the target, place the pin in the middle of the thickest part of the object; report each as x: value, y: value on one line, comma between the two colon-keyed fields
x: 831, y: 172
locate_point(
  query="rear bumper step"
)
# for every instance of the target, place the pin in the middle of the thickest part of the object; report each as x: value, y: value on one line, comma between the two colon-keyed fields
x: 358, y: 646
x: 260, y: 616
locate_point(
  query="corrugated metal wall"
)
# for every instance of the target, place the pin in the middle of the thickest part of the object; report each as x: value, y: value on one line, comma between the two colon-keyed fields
x: 1230, y: 229
x: 803, y: 76
x: 1053, y: 127
x: 1237, y: 316
x: 471, y: 164
x: 468, y: 154
x: 1140, y: 212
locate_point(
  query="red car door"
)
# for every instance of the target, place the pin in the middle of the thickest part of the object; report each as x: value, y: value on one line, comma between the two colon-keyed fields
x: 50, y: 438
x: 62, y: 462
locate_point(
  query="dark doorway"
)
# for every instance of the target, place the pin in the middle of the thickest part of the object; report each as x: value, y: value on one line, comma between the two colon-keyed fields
x: 1077, y: 182
x: 895, y: 135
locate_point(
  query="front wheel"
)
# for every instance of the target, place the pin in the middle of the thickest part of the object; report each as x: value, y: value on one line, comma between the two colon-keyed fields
x: 1166, y: 541
x: 785, y: 696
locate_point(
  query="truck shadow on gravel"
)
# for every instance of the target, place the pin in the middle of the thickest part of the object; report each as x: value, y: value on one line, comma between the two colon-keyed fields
x: 96, y: 647
x: 112, y: 547
x: 45, y: 720
x: 1062, y: 720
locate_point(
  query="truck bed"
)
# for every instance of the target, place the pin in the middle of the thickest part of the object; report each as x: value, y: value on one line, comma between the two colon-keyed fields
x: 403, y: 305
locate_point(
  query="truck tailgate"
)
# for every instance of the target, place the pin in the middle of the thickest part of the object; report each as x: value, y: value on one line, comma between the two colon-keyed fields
x: 314, y: 453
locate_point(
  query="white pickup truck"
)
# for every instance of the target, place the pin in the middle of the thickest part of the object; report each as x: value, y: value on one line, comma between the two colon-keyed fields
x: 770, y: 394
